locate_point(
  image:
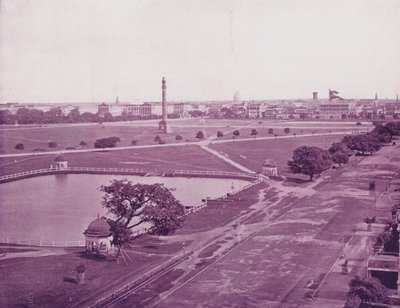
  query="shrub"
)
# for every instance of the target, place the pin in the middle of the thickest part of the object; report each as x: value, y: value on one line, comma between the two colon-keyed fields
x: 270, y: 131
x: 358, y: 123
x: 200, y: 135
x: 82, y: 143
x: 178, y: 137
x: 287, y: 130
x: 52, y: 144
x: 161, y: 142
x: 236, y: 133
x: 220, y: 134
x: 38, y: 150
x: 70, y: 148
x: 109, y: 142
x: 157, y: 138
x: 19, y: 146
x: 134, y: 142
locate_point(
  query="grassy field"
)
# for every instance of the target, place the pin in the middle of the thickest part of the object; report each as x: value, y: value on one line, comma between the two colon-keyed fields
x: 252, y: 154
x: 143, y: 133
x: 163, y: 159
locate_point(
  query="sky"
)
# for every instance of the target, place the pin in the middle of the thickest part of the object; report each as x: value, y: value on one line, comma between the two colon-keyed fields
x: 94, y: 50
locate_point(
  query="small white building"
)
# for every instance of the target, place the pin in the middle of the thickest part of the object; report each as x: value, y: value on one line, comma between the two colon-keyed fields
x: 98, y: 237
x: 60, y: 163
x: 269, y: 168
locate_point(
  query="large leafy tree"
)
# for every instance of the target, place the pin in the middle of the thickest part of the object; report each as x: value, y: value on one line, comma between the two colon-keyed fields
x: 310, y: 161
x: 365, y: 291
x: 362, y: 143
x: 340, y: 153
x: 131, y: 205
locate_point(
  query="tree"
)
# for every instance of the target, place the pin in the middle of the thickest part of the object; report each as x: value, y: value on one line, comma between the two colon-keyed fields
x: 270, y: 131
x: 362, y: 143
x: 236, y: 133
x: 368, y: 290
x: 309, y: 161
x: 254, y: 132
x: 220, y: 134
x: 200, y: 135
x: 52, y: 144
x: 109, y: 142
x: 131, y: 205
x: 340, y: 153
x: 178, y: 137
x: 19, y: 146
x: 287, y: 130
x: 157, y: 138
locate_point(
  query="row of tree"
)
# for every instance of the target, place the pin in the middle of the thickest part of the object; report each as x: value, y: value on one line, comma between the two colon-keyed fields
x: 311, y: 160
x: 55, y: 115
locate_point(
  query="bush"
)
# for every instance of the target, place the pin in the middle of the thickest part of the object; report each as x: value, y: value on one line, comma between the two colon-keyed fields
x: 52, y: 144
x: 134, y: 142
x: 109, y: 142
x: 270, y: 131
x: 39, y: 150
x: 200, y: 135
x: 358, y: 123
x: 157, y: 138
x: 161, y: 142
x: 19, y: 146
x: 82, y: 143
x: 287, y: 130
x: 70, y: 148
x: 220, y: 134
x: 178, y: 137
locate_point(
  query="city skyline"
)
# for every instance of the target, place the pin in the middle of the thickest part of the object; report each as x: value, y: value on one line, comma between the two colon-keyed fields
x: 87, y: 51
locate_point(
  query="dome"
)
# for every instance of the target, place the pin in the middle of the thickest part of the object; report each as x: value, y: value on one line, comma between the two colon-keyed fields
x: 270, y: 163
x: 60, y: 158
x: 98, y: 227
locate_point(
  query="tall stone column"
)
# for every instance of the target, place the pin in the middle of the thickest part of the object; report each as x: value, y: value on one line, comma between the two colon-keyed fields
x: 163, y: 125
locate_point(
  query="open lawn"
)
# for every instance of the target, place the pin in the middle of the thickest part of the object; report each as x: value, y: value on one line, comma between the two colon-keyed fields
x: 163, y: 159
x: 70, y: 135
x: 252, y: 154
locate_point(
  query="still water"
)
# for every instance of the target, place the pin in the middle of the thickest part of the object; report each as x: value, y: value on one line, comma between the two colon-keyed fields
x: 60, y: 207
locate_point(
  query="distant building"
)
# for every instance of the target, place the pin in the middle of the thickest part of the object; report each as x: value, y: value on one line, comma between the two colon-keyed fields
x: 334, y: 110
x: 103, y: 109
x: 315, y: 96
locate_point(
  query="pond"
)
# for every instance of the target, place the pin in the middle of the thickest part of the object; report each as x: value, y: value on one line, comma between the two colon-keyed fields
x: 60, y: 207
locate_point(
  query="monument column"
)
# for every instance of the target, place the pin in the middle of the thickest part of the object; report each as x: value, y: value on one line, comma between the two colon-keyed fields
x: 163, y: 125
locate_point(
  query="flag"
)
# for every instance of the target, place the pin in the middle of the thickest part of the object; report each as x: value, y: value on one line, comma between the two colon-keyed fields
x: 333, y: 95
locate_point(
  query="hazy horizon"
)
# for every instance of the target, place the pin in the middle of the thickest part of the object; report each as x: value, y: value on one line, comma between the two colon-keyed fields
x: 92, y: 51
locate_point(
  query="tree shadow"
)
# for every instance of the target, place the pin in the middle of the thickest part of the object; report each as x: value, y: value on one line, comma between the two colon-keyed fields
x: 94, y: 257
x: 70, y: 280
x: 297, y: 180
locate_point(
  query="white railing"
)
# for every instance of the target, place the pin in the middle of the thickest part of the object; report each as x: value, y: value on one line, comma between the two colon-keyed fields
x: 43, y: 243
x: 125, y: 170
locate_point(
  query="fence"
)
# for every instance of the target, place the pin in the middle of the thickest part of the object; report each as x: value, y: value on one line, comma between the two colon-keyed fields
x: 50, y: 171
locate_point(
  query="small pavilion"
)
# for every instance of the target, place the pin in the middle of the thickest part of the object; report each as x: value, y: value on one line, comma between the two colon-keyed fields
x: 98, y: 237
x: 60, y: 163
x: 269, y: 168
